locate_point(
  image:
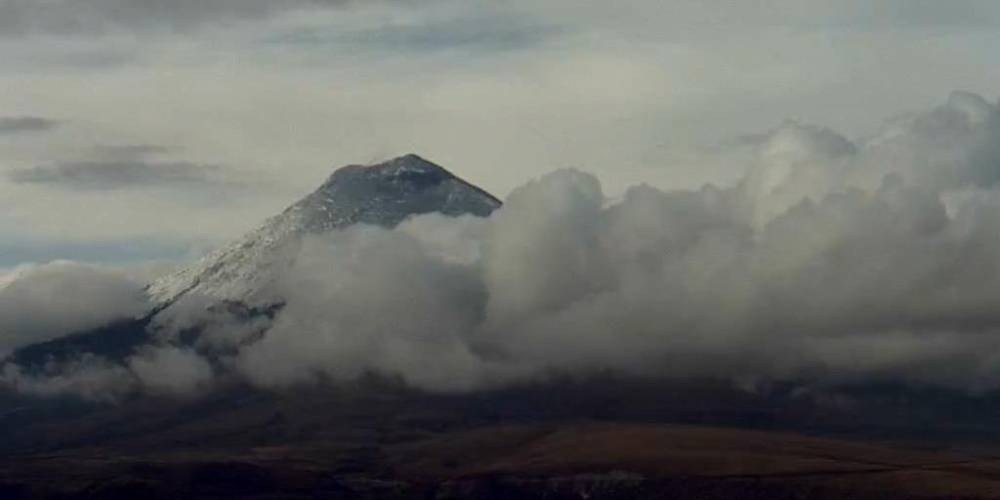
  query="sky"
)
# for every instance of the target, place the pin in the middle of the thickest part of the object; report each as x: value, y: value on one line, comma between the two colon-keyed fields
x: 134, y: 132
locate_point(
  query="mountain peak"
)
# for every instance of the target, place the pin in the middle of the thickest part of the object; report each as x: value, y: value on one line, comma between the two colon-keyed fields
x: 408, y: 168
x: 410, y: 162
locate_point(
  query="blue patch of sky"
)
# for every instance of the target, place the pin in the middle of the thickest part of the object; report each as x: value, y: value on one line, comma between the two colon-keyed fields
x: 13, y: 253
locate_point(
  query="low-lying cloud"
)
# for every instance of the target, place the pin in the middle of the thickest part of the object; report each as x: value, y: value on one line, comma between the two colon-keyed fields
x: 832, y: 261
x: 88, y: 377
x: 42, y: 302
x: 170, y: 370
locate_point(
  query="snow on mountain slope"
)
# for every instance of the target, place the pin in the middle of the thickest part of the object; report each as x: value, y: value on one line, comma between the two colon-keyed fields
x: 384, y: 194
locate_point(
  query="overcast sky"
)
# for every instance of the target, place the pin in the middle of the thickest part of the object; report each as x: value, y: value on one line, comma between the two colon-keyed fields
x: 138, y: 130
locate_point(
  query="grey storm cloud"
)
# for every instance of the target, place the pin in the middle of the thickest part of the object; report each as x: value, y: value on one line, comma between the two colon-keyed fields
x: 20, y: 124
x: 75, y: 17
x: 117, y: 174
x: 832, y: 261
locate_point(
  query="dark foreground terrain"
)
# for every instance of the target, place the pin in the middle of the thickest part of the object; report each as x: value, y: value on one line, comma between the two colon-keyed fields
x: 583, y: 460
x: 596, y: 440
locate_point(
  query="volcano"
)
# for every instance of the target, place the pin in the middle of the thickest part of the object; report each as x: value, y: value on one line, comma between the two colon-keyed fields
x: 236, y: 279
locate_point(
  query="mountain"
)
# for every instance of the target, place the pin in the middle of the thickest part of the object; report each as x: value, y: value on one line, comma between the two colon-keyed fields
x: 384, y: 195
x: 235, y: 278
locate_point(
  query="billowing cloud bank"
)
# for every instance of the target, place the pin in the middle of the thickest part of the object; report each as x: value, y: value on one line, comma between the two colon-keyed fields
x: 832, y: 261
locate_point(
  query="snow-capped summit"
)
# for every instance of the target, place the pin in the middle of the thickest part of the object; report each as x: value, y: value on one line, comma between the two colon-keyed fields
x: 384, y: 194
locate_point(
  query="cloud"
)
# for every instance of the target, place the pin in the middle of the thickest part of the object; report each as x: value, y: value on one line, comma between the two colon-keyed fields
x: 954, y: 145
x: 434, y: 304
x: 171, y: 370
x: 472, y: 31
x: 88, y: 377
x: 42, y: 302
x: 75, y: 17
x: 101, y: 175
x: 100, y: 16
x: 130, y: 151
x: 833, y: 261
x: 161, y: 371
x: 23, y: 124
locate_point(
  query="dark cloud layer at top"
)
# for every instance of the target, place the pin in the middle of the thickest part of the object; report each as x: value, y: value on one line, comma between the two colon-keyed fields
x: 82, y: 17
x: 19, y: 124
